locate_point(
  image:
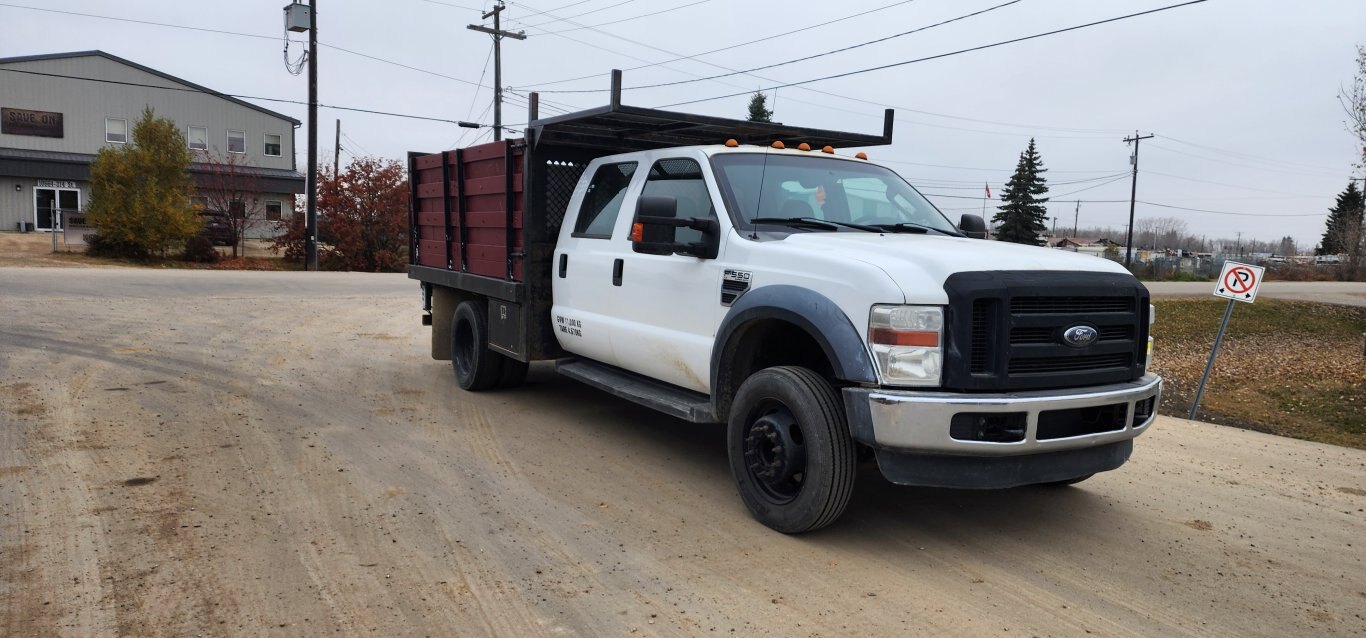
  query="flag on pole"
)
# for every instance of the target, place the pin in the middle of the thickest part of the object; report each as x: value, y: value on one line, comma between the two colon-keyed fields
x: 988, y: 189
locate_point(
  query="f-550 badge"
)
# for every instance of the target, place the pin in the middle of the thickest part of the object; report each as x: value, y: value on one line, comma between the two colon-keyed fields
x: 733, y: 284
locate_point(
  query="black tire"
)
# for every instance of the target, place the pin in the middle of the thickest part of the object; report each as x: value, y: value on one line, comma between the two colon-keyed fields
x: 790, y: 450
x: 1071, y: 481
x: 476, y: 367
x: 513, y: 374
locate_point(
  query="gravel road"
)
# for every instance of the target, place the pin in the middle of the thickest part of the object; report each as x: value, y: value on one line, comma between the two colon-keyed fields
x: 273, y: 454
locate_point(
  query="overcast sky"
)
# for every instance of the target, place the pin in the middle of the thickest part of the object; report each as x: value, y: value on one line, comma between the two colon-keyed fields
x: 1240, y: 93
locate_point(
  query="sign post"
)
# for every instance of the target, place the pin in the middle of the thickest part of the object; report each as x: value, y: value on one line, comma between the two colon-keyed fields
x: 1237, y: 282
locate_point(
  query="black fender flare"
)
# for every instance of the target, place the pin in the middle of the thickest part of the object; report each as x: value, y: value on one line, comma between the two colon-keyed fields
x: 813, y: 312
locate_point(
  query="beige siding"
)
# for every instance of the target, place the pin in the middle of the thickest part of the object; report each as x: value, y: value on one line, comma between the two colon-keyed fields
x: 84, y: 105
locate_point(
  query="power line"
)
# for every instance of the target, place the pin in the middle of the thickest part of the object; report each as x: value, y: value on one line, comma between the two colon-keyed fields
x: 801, y: 59
x: 1226, y: 212
x: 636, y: 17
x: 238, y: 96
x: 1205, y: 181
x: 557, y: 19
x: 1245, y: 155
x: 1238, y: 165
x: 951, y: 53
x: 146, y: 22
x: 733, y: 46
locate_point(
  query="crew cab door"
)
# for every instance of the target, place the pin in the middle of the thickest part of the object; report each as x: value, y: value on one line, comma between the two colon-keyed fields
x: 668, y: 306
x: 588, y: 261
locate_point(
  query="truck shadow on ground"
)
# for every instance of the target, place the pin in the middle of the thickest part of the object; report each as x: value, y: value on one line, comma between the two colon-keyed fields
x: 699, y: 452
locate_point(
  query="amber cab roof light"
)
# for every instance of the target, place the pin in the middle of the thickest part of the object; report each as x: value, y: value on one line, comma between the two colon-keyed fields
x: 861, y: 155
x: 732, y: 143
x: 828, y: 149
x: 803, y: 147
x: 778, y: 144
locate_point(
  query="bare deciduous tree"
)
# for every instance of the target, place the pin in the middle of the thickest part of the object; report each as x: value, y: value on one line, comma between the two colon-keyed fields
x: 233, y: 188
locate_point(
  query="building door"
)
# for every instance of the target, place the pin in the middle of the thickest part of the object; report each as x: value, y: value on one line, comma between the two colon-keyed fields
x: 52, y: 205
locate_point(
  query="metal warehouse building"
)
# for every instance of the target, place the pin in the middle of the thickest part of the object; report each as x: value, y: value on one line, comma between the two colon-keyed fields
x: 58, y: 110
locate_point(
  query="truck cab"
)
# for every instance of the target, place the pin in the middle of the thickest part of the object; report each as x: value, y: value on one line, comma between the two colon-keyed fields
x: 810, y: 299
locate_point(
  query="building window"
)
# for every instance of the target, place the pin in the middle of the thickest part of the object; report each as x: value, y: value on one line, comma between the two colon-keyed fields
x: 115, y: 130
x: 201, y: 202
x: 199, y: 138
x: 272, y: 145
x: 273, y: 209
x: 237, y: 142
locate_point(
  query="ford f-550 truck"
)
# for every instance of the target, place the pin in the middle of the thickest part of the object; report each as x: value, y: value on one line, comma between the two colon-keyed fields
x: 747, y: 273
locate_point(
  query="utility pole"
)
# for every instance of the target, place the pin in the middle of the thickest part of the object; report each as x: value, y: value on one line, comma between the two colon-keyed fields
x: 336, y: 153
x: 311, y: 214
x: 1133, y: 195
x: 498, y: 34
x: 1076, y: 219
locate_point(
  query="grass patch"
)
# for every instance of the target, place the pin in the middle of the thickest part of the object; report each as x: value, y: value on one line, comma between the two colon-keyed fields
x: 1286, y: 367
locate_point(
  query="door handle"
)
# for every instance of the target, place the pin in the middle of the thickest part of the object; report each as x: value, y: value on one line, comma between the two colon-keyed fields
x: 616, y: 272
x: 564, y: 264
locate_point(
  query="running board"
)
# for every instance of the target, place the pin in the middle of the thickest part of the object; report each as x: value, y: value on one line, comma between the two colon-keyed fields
x: 671, y: 400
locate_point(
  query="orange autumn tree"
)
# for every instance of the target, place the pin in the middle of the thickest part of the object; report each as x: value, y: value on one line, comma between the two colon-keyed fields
x: 362, y: 219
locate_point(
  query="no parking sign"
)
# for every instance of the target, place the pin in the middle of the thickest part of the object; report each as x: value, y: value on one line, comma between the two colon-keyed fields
x: 1239, y: 282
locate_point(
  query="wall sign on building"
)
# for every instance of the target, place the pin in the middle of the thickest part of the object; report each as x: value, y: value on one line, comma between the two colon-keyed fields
x: 55, y: 183
x: 26, y: 122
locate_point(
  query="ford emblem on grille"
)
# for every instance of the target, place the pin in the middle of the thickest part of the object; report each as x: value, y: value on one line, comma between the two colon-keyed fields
x: 1080, y: 336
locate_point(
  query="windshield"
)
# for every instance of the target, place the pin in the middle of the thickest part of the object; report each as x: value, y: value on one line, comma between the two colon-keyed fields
x: 813, y: 187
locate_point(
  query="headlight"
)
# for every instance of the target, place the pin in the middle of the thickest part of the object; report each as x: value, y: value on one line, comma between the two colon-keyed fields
x: 907, y: 343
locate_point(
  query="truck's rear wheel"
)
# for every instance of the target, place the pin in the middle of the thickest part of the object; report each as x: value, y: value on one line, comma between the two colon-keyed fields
x: 476, y: 367
x: 790, y: 450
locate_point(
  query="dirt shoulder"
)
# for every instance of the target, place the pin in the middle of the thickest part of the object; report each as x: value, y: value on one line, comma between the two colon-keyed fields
x: 274, y: 454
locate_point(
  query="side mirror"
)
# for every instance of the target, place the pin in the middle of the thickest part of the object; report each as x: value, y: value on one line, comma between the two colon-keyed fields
x: 973, y: 226
x: 656, y: 220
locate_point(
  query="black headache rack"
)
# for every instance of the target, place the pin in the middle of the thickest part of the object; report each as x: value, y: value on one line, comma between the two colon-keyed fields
x: 553, y: 156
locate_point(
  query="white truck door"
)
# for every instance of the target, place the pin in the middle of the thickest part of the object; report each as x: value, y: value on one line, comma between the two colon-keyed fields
x: 587, y: 257
x: 668, y: 306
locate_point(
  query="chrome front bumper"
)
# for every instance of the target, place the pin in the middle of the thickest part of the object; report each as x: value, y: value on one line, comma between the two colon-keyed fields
x: 919, y: 422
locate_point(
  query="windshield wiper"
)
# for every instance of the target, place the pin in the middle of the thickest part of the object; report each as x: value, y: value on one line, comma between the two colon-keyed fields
x: 905, y: 227
x: 828, y: 224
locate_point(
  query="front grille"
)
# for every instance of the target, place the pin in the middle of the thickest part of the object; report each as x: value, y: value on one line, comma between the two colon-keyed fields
x: 1011, y: 338
x: 1069, y: 305
x: 1035, y: 365
x: 1020, y: 336
x: 981, y: 310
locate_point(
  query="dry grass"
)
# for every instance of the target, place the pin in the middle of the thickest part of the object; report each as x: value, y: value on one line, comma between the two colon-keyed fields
x: 1295, y: 369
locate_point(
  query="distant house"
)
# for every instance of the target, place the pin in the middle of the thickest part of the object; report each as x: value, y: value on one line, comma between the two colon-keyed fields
x: 58, y: 110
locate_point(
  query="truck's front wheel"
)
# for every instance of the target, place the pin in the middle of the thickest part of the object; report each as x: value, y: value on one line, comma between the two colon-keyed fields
x: 476, y: 367
x: 790, y: 450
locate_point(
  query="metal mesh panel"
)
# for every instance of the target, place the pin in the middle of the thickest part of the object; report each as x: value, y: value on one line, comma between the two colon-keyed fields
x: 560, y: 180
x: 680, y: 168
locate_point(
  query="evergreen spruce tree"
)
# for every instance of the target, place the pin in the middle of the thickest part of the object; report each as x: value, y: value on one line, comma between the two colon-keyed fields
x: 1022, y: 211
x: 758, y: 108
x: 1344, y: 221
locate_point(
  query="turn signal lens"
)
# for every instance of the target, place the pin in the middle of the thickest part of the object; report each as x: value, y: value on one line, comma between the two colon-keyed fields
x: 889, y: 337
x: 638, y: 232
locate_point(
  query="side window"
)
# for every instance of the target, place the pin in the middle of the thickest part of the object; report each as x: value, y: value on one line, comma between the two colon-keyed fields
x: 682, y: 180
x: 602, y: 202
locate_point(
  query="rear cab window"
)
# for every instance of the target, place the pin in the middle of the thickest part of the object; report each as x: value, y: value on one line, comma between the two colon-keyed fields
x: 602, y: 202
